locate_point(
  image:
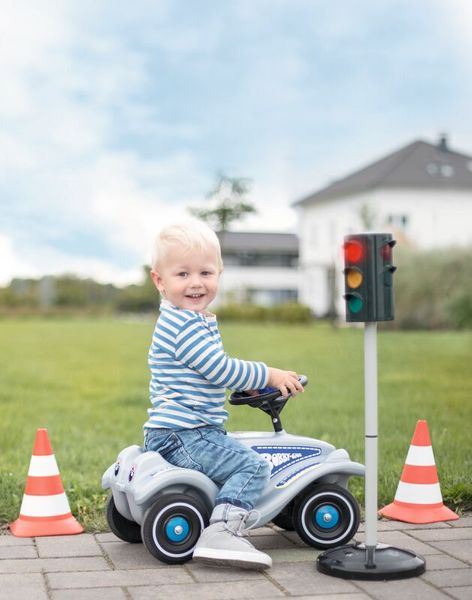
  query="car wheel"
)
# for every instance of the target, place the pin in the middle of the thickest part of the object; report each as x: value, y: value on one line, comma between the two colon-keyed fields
x: 172, y: 526
x: 126, y: 530
x: 326, y: 516
x: 284, y: 519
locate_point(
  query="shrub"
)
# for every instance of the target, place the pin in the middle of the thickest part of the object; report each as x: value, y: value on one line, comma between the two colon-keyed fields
x: 137, y: 298
x: 290, y: 312
x: 459, y: 310
x: 433, y: 289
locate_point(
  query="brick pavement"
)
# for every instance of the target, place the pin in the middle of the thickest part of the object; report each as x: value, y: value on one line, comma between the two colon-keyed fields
x: 89, y: 567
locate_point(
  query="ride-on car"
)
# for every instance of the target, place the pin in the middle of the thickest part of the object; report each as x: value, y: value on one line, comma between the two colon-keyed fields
x: 166, y: 507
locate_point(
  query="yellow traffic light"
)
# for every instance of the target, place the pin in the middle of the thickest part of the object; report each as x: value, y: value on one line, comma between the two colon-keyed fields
x: 354, y: 277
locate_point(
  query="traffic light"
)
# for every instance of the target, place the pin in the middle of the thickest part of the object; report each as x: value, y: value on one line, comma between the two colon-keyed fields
x: 357, y: 279
x: 384, y: 276
x: 368, y: 277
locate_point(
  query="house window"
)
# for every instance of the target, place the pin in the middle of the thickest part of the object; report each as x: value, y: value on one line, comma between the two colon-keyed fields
x: 447, y: 171
x: 444, y: 170
x: 260, y: 259
x: 313, y: 236
x: 272, y: 297
x: 398, y: 221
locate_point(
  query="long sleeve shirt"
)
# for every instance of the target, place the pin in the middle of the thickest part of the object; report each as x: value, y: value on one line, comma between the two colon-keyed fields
x: 190, y: 371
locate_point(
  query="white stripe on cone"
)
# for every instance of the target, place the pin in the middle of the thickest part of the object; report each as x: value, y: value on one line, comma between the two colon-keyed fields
x: 43, y: 466
x: 418, y: 493
x: 420, y: 456
x: 44, y: 506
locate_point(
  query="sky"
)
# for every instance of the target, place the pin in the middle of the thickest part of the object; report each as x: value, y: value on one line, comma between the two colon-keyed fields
x: 115, y: 117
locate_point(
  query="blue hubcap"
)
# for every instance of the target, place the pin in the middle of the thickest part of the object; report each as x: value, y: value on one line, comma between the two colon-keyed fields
x: 327, y: 516
x: 177, y: 529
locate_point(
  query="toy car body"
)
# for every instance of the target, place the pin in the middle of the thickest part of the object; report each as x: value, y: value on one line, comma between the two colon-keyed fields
x: 167, y: 506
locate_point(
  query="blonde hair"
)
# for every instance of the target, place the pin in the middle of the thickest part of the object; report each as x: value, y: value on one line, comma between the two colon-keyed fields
x: 191, y: 235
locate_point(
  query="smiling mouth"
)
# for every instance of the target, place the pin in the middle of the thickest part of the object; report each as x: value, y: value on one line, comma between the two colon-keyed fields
x: 195, y: 296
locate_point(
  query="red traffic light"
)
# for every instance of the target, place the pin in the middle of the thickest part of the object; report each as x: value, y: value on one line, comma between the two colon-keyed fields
x: 353, y: 251
x: 386, y: 250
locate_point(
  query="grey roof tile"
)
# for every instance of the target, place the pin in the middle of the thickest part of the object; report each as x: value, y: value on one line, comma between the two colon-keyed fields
x: 258, y: 241
x: 419, y: 164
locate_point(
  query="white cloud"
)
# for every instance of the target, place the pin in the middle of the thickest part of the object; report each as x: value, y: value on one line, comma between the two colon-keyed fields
x: 88, y: 145
x: 459, y: 15
x: 12, y: 262
x: 47, y: 261
x: 55, y: 128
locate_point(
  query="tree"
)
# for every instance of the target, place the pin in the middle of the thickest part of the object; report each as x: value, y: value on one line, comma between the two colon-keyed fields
x: 367, y: 217
x: 142, y: 297
x: 228, y: 203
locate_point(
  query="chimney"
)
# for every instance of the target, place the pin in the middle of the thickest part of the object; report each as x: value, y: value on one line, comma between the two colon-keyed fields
x: 442, y: 145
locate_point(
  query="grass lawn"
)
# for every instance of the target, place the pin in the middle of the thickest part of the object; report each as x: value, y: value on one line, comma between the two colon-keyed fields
x: 86, y: 382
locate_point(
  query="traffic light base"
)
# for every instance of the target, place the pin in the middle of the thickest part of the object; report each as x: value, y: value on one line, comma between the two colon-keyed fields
x: 381, y: 562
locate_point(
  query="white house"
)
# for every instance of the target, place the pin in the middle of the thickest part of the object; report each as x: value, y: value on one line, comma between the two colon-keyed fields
x: 422, y: 193
x: 261, y: 268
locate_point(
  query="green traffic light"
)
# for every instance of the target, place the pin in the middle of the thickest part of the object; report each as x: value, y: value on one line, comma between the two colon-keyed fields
x: 355, y: 304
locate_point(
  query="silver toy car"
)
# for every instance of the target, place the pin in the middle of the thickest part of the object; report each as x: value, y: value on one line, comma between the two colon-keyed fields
x: 167, y: 507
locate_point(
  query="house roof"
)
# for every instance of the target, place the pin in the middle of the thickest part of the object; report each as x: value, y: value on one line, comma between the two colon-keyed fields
x: 419, y: 164
x: 239, y: 241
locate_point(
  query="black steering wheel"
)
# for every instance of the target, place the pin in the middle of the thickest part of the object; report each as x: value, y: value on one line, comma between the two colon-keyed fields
x: 268, y: 399
x: 265, y: 395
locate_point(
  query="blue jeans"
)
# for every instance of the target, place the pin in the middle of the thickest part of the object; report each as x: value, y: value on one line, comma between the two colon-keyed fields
x: 239, y: 471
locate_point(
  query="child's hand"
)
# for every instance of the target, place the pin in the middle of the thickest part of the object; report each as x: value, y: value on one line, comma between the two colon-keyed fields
x: 286, y: 381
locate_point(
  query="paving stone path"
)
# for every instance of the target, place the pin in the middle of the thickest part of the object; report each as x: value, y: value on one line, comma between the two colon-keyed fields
x: 89, y: 567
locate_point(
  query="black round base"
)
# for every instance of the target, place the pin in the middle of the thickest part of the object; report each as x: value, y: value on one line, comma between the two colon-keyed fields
x: 389, y: 562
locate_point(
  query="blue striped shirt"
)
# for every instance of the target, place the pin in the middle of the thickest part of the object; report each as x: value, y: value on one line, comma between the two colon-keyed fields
x: 190, y: 371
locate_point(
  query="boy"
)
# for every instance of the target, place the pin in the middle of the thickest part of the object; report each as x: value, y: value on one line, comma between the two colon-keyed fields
x: 189, y: 376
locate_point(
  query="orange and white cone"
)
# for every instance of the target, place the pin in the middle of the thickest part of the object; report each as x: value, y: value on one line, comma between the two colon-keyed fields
x: 418, y: 498
x: 45, y: 509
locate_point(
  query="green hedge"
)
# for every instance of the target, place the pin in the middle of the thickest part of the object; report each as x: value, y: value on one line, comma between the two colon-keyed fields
x: 433, y: 289
x: 289, y: 312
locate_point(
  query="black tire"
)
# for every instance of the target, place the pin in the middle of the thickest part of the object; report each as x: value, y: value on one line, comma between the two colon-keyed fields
x: 326, y: 516
x: 126, y: 530
x: 284, y: 519
x: 172, y: 526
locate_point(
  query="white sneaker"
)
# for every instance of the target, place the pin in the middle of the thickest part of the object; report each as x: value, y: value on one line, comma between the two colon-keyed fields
x: 222, y: 542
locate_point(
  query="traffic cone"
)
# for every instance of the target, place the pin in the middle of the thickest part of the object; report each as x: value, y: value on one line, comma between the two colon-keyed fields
x: 45, y: 509
x: 418, y: 498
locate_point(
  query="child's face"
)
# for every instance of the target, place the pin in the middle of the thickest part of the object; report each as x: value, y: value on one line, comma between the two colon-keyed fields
x: 188, y: 279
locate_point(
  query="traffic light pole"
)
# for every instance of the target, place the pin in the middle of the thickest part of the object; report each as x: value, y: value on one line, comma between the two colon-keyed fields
x: 371, y: 441
x: 369, y: 298
x: 370, y: 561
